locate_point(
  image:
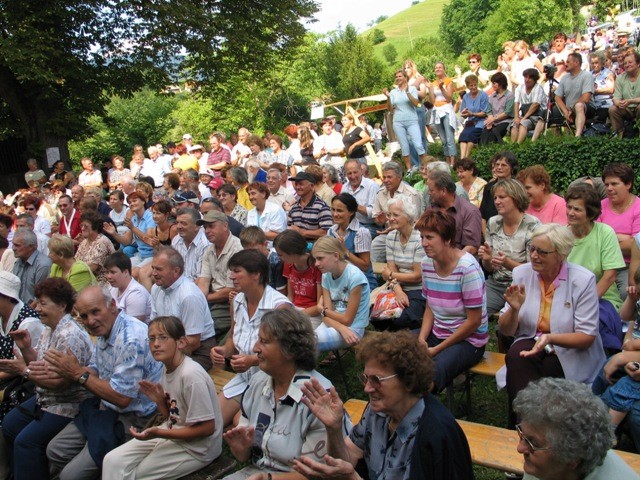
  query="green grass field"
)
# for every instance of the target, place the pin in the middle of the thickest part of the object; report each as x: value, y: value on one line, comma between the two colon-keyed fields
x: 421, y: 20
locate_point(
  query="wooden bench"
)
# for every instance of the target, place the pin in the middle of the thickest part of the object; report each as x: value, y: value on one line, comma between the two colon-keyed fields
x: 492, y: 447
x: 220, y: 377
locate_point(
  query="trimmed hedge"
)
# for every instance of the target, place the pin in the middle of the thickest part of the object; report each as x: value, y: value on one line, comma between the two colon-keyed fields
x: 565, y: 158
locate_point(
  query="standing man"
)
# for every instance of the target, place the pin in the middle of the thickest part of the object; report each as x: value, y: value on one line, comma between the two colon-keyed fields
x: 153, y: 166
x: 214, y: 278
x: 241, y: 151
x: 574, y: 95
x: 31, y: 266
x: 191, y: 241
x: 364, y: 190
x: 120, y: 360
x: 174, y: 294
x: 309, y: 216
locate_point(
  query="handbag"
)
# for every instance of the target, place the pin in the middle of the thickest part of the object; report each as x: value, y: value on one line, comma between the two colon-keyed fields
x: 385, y: 306
x: 16, y: 390
x: 524, y: 108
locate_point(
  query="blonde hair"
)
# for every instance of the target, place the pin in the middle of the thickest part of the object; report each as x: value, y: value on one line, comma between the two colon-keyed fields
x: 61, y: 245
x: 522, y: 44
x: 560, y: 237
x: 509, y: 44
x: 329, y: 246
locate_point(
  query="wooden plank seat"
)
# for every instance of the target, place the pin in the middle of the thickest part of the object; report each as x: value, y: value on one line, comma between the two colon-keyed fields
x: 492, y: 447
x: 220, y: 377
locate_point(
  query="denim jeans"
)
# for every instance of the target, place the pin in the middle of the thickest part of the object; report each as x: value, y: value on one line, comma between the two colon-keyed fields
x: 422, y: 123
x: 28, y: 430
x: 408, y: 132
x: 447, y: 136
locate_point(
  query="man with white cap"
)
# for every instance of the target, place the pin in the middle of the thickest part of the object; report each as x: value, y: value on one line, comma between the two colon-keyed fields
x: 200, y: 154
x: 206, y: 176
x: 16, y: 317
x: 187, y: 139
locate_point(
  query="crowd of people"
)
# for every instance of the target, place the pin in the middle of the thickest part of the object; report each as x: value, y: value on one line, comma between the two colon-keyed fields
x: 122, y: 286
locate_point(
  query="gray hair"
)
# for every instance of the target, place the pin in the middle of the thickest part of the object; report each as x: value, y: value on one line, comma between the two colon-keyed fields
x: 408, y: 207
x: 442, y: 180
x: 29, y: 219
x: 192, y: 212
x: 332, y: 172
x: 128, y: 180
x: 599, y: 55
x: 271, y: 170
x: 576, y: 423
x: 292, y: 330
x: 173, y: 256
x: 192, y: 174
x: 239, y: 175
x: 395, y: 167
x: 32, y: 161
x: 252, y: 164
x: 560, y: 237
x: 28, y: 237
x: 438, y: 166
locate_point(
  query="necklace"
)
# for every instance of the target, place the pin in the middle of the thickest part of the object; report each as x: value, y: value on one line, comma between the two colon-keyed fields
x: 619, y: 210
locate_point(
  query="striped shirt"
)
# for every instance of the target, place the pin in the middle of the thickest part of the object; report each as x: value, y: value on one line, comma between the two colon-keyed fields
x: 193, y: 254
x: 311, y: 217
x: 449, y: 297
x: 405, y: 256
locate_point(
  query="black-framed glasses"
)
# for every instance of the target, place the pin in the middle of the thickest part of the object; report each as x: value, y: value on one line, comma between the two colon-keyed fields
x: 530, y: 445
x: 543, y: 253
x: 374, y: 380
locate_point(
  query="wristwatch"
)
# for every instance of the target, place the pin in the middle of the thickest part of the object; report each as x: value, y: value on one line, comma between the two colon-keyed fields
x: 324, y: 312
x: 26, y: 373
x: 83, y: 378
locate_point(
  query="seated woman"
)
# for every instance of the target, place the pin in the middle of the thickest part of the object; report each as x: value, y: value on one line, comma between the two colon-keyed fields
x: 545, y: 205
x: 454, y: 327
x: 506, y: 240
x: 501, y: 111
x: 269, y: 216
x: 345, y: 296
x: 304, y: 280
x: 474, y: 109
x: 552, y: 311
x: 565, y: 433
x: 469, y: 180
x: 95, y: 247
x: 529, y: 101
x: 596, y: 246
x: 249, y: 272
x: 64, y: 264
x: 404, y: 255
x: 621, y: 211
x: 188, y: 434
x: 405, y: 432
x: 228, y: 195
x: 356, y: 239
x: 276, y: 425
x: 29, y: 428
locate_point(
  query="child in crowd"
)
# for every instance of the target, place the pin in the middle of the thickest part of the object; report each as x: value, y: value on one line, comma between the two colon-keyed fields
x: 304, y: 280
x: 253, y: 237
x: 621, y: 396
x: 188, y: 435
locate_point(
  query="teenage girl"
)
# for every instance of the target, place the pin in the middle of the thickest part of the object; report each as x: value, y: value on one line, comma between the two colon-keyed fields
x: 188, y: 435
x: 304, y: 280
x: 345, y: 296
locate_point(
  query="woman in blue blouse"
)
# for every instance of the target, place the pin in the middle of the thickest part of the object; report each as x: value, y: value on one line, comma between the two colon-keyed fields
x: 474, y: 109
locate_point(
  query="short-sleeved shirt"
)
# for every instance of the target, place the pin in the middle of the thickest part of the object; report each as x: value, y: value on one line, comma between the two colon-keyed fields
x: 597, y: 252
x: 214, y: 267
x: 183, y: 299
x: 514, y: 246
x: 340, y: 292
x: 403, y: 109
x: 222, y: 155
x: 273, y: 218
x: 135, y: 301
x: 31, y: 272
x: 314, y: 215
x: 349, y: 139
x: 405, y: 256
x: 365, y: 195
x: 388, y: 455
x: 536, y: 95
x: 554, y: 211
x: 304, y: 284
x: 192, y: 398
x: 572, y: 87
x: 124, y: 359
x: 68, y: 335
x: 143, y: 224
x: 93, y: 178
x: 383, y: 197
x: 449, y: 297
x: 626, y: 223
x: 625, y: 88
x: 284, y: 427
x: 502, y: 104
x: 192, y: 254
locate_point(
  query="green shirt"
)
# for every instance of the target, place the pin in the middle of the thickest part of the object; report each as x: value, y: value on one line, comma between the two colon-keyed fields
x: 625, y: 89
x: 597, y: 252
x: 80, y: 275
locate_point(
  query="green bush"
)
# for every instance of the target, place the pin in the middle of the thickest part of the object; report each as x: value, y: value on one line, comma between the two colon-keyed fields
x: 564, y: 158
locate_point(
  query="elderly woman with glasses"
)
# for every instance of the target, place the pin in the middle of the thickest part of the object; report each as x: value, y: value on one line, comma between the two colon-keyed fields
x: 404, y: 431
x: 565, y: 432
x: 552, y: 311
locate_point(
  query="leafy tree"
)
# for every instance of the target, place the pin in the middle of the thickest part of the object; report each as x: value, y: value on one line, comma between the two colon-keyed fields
x: 390, y: 53
x: 381, y: 18
x: 350, y: 67
x: 377, y: 36
x: 61, y: 61
x: 463, y: 20
x: 427, y: 51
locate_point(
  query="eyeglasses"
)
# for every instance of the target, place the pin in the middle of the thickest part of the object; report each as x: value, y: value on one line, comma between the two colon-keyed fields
x: 30, y: 209
x: 374, y: 380
x: 161, y: 339
x: 542, y: 253
x: 530, y: 445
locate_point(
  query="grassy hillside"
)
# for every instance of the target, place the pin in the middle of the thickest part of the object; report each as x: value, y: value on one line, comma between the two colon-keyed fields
x: 421, y: 20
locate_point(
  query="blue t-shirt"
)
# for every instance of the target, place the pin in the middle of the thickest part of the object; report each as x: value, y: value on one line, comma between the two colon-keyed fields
x: 145, y: 223
x: 340, y: 290
x: 404, y: 109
